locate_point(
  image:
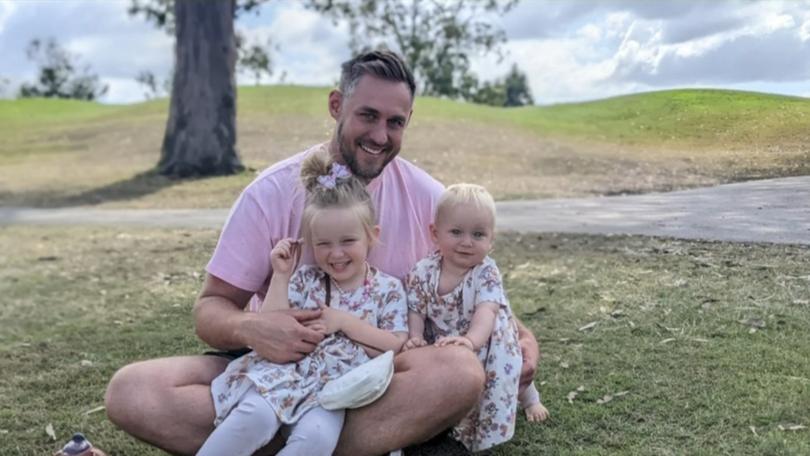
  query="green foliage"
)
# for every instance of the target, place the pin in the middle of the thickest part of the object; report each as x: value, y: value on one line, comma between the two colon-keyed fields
x: 254, y: 58
x: 161, y: 12
x: 511, y: 91
x: 436, y: 38
x: 59, y: 74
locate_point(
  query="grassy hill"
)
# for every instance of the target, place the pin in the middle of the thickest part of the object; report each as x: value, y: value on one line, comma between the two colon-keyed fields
x: 63, y: 152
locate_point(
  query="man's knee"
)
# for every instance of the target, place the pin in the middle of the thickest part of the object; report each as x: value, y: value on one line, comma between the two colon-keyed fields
x: 463, y: 367
x: 456, y: 371
x: 122, y: 389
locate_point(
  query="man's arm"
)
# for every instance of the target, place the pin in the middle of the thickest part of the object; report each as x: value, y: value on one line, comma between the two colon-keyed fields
x: 221, y: 322
x: 531, y: 353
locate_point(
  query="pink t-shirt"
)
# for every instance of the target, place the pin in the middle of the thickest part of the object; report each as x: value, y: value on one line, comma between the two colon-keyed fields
x: 270, y: 209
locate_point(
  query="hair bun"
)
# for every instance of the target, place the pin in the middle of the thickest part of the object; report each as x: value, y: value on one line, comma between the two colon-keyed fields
x: 317, y: 164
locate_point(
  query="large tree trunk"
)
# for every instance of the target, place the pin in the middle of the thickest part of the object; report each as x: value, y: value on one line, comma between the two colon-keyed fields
x: 201, y: 132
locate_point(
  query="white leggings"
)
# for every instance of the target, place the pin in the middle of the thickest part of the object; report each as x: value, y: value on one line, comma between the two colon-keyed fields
x: 253, y: 423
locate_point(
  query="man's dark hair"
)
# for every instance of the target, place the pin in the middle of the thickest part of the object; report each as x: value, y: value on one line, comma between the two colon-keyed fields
x: 382, y: 64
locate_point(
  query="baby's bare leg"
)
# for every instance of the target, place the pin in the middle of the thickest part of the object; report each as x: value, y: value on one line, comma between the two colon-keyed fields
x: 529, y: 399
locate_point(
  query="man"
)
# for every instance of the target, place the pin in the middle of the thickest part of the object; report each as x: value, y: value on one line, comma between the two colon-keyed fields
x: 167, y: 402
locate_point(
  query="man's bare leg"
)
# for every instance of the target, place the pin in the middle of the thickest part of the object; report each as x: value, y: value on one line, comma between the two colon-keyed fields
x: 166, y: 402
x: 432, y: 389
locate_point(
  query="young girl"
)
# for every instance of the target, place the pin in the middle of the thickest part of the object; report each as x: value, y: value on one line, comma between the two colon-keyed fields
x: 455, y: 297
x: 254, y: 397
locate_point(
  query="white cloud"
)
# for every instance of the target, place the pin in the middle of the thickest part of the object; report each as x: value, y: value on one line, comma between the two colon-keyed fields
x: 570, y: 50
x: 6, y: 10
x: 123, y: 90
x: 308, y: 47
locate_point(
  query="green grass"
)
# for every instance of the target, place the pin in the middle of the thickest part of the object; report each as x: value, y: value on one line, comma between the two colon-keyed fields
x: 673, y: 328
x: 701, y: 116
x: 61, y: 153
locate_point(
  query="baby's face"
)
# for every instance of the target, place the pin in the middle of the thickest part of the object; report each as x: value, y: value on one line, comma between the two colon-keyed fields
x: 464, y: 235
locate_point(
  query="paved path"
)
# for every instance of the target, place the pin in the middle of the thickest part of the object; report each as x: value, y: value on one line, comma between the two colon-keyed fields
x: 774, y: 210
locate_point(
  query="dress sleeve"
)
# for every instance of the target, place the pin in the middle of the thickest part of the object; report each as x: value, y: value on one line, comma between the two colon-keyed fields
x: 415, y: 288
x: 298, y: 288
x: 489, y: 286
x: 394, y: 315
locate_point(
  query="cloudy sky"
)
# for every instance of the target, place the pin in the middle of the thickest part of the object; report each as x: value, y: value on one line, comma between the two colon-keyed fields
x: 571, y: 50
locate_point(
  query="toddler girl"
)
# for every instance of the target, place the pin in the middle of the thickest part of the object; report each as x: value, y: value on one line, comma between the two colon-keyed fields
x: 456, y: 297
x: 254, y: 396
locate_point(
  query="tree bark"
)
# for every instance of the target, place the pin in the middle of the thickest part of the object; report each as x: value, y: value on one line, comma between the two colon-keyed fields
x: 200, y: 138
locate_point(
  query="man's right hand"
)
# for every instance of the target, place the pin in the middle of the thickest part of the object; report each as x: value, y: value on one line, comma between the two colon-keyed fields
x: 280, y: 336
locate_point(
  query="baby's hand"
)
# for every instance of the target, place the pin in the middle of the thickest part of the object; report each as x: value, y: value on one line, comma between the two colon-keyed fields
x: 536, y: 413
x: 332, y: 319
x: 285, y: 255
x: 315, y: 325
x: 414, y: 342
x: 456, y: 340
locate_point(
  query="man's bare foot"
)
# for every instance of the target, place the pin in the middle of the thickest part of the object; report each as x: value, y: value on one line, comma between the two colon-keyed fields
x: 537, y: 413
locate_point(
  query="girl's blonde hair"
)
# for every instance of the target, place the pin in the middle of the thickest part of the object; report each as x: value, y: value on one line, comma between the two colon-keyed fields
x: 465, y: 194
x: 330, y: 185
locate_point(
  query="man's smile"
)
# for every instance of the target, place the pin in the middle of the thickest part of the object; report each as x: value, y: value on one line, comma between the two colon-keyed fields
x: 371, y: 149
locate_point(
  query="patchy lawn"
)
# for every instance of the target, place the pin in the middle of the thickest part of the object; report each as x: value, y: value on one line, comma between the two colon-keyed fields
x: 62, y: 153
x: 650, y: 346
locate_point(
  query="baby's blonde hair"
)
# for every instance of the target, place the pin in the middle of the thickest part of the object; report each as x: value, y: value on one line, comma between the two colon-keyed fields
x: 348, y: 192
x: 465, y: 194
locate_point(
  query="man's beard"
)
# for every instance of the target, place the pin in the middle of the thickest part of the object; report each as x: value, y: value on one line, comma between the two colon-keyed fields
x: 351, y: 161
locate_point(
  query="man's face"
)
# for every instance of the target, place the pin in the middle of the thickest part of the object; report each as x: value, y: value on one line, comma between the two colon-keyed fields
x: 370, y: 124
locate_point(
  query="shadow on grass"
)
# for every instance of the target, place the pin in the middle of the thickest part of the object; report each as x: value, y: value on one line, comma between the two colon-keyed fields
x: 141, y: 184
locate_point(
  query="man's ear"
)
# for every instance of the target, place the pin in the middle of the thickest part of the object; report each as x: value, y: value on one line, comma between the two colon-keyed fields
x: 335, y: 103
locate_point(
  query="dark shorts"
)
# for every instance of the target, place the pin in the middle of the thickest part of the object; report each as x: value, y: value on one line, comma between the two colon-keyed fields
x: 441, y: 445
x: 230, y: 354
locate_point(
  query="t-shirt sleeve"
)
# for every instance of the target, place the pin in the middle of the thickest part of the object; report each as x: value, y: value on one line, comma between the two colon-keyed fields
x: 394, y: 316
x: 260, y: 217
x: 242, y: 255
x: 489, y: 284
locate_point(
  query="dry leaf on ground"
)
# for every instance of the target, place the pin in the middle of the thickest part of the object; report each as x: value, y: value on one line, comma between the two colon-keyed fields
x: 754, y: 323
x: 49, y: 430
x: 792, y: 427
x: 94, y: 410
x: 605, y: 399
x: 588, y: 326
x: 609, y: 397
x: 573, y: 394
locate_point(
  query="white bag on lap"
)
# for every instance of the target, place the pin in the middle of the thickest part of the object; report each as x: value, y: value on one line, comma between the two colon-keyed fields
x: 360, y: 386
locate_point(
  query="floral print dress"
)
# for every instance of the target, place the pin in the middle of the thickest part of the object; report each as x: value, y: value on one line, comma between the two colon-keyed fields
x: 492, y: 421
x: 292, y: 388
